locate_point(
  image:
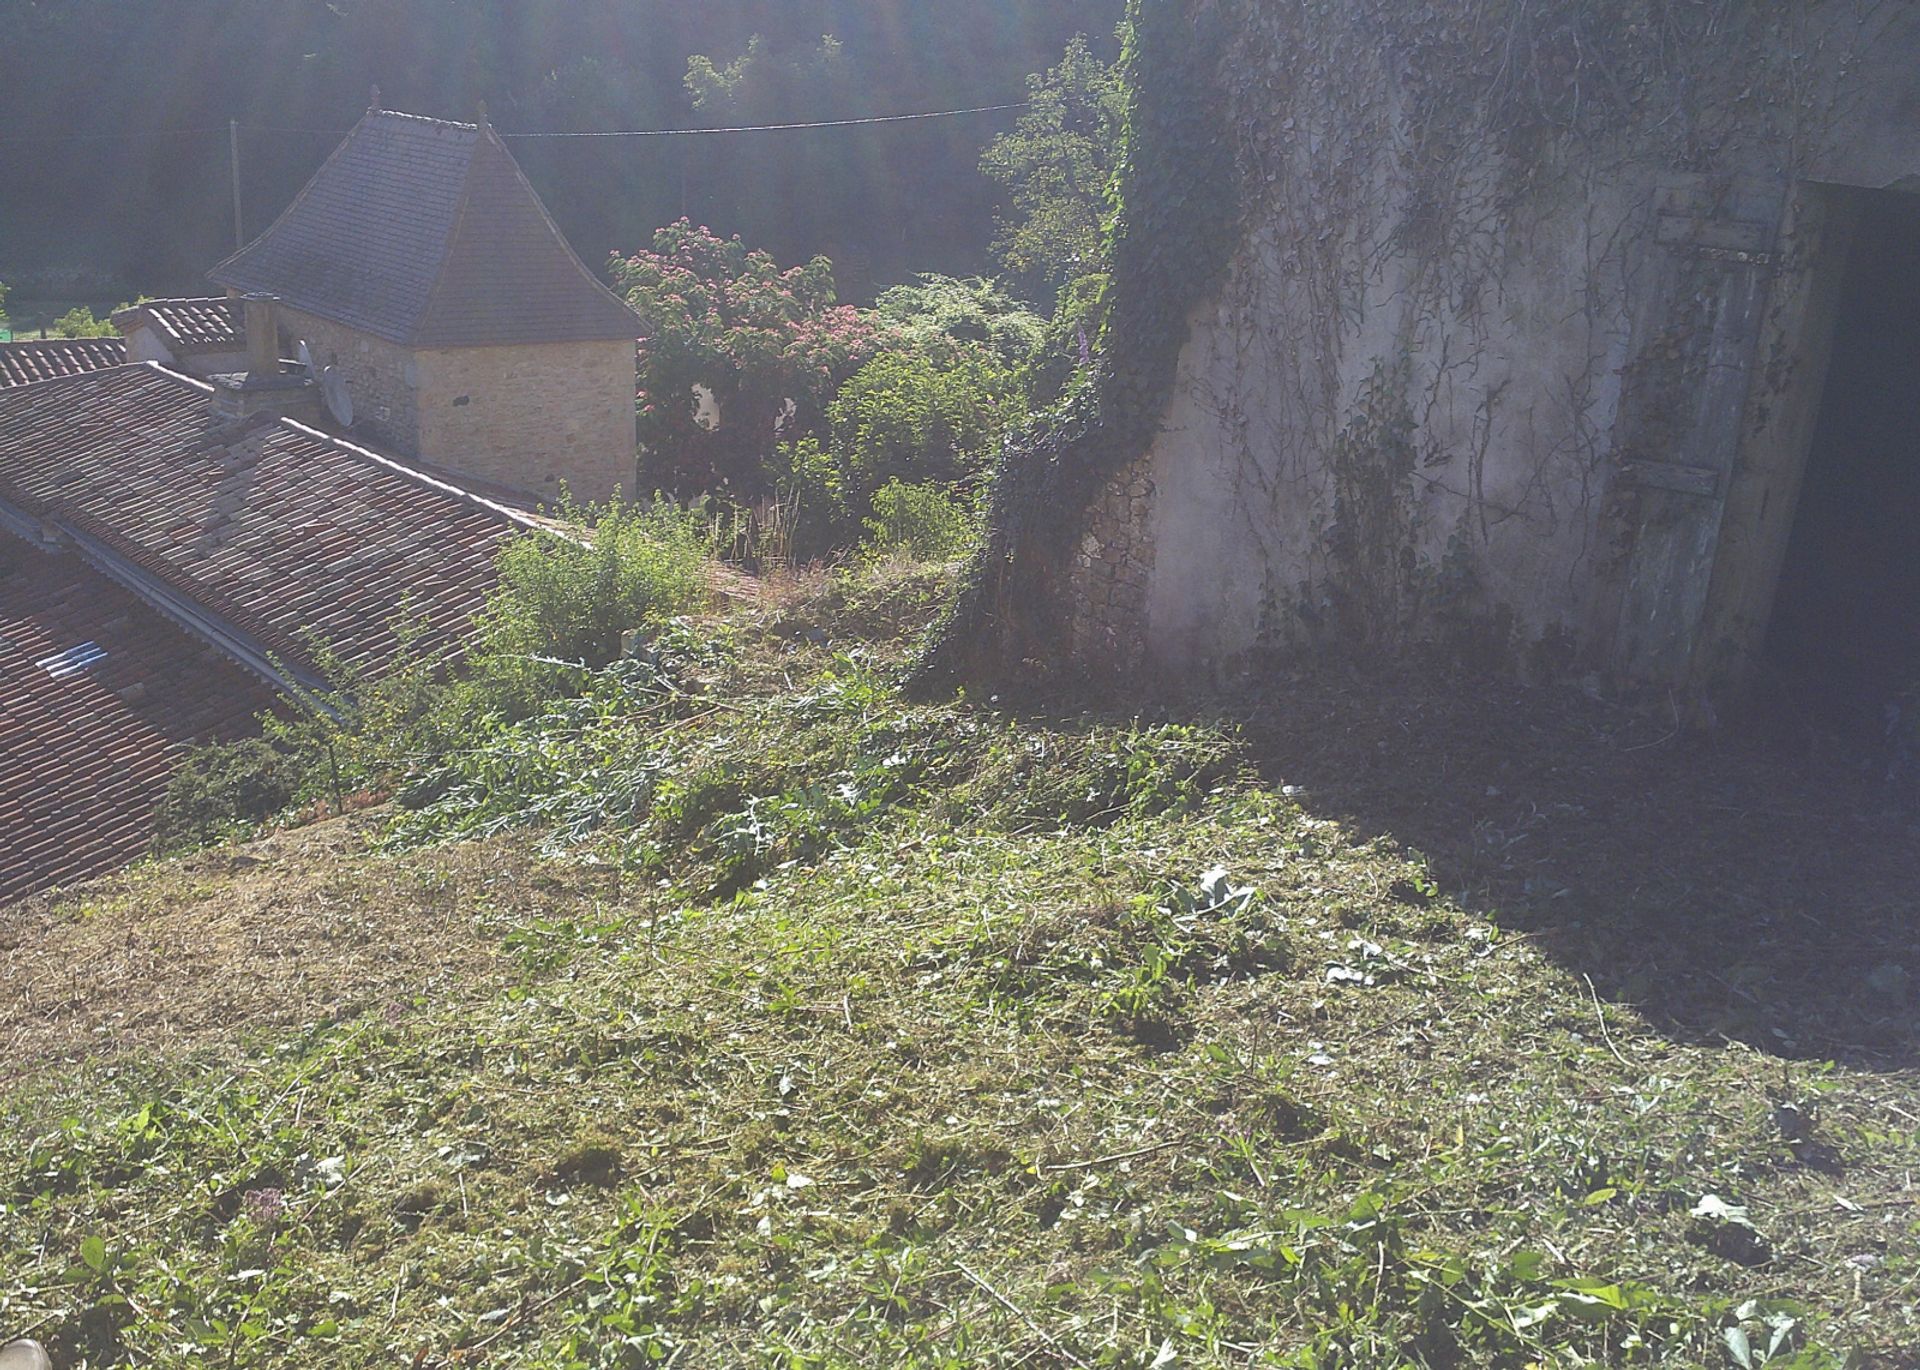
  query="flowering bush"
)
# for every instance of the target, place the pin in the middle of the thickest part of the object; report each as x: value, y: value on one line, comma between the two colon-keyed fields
x: 769, y: 345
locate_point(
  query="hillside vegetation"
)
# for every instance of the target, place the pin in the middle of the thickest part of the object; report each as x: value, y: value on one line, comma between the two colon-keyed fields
x: 737, y: 1012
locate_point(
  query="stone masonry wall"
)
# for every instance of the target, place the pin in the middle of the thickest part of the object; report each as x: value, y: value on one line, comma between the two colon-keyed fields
x: 1107, y: 583
x: 380, y: 377
x: 533, y: 416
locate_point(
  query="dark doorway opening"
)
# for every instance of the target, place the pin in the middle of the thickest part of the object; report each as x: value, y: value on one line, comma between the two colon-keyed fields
x: 1844, y: 643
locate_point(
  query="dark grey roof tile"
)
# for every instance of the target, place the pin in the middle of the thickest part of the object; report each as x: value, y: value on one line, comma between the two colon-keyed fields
x: 427, y: 234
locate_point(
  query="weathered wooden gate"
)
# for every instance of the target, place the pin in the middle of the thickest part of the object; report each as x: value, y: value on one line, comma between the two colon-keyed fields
x: 1682, y: 412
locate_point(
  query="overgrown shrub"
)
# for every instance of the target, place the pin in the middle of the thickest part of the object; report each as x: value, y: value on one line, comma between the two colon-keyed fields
x: 767, y: 345
x: 79, y: 322
x: 904, y: 419
x: 559, y: 613
x: 924, y: 520
x: 225, y: 789
x: 904, y: 416
x: 941, y: 317
x: 812, y: 488
x: 570, y: 599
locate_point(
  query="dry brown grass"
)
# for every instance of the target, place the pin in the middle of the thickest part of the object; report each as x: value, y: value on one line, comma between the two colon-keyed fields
x: 299, y: 927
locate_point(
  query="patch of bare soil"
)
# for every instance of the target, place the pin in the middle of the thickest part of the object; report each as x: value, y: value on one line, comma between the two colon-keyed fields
x: 1728, y: 890
x: 303, y: 926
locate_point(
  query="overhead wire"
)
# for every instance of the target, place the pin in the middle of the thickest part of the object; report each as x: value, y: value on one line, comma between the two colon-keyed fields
x: 584, y: 133
x: 779, y: 128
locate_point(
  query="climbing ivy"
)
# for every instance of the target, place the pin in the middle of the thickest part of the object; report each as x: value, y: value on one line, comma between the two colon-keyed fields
x: 1175, y: 225
x: 1438, y: 135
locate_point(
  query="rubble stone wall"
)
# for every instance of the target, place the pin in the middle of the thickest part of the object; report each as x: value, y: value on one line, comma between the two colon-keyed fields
x: 1112, y: 567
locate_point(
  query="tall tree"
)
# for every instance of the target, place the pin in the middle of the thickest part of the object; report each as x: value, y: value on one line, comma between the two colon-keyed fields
x: 1058, y: 162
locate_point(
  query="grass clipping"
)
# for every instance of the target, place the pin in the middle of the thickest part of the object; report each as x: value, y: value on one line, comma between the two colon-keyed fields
x: 738, y: 1013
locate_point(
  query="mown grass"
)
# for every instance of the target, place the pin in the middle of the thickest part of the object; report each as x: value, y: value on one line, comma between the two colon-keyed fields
x: 876, y: 1034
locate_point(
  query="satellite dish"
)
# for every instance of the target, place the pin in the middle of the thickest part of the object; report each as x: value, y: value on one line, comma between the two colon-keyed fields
x: 306, y: 361
x: 333, y: 393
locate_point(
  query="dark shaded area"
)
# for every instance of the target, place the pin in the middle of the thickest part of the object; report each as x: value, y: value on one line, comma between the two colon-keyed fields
x: 101, y: 196
x: 1722, y: 893
x: 1845, y: 636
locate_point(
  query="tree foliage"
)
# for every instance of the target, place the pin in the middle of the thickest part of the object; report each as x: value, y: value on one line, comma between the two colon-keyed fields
x: 763, y: 83
x: 1059, y: 162
x: 768, y: 345
x: 79, y: 322
x: 948, y: 381
x: 906, y: 416
x: 942, y: 317
x: 920, y: 520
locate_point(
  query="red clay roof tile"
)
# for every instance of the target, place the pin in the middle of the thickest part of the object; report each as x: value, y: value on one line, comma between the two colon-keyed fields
x: 278, y: 529
x: 209, y: 323
x: 84, y: 757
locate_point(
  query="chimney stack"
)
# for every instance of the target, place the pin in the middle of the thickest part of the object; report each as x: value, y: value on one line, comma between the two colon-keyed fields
x: 262, y: 324
x: 263, y: 388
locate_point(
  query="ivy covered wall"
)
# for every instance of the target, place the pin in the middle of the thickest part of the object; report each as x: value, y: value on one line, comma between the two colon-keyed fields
x: 1467, y: 322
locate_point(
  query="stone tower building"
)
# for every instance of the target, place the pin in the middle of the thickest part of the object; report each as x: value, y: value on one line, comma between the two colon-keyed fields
x: 421, y: 265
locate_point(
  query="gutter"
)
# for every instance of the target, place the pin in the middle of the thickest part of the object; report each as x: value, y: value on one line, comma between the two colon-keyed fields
x: 305, y: 687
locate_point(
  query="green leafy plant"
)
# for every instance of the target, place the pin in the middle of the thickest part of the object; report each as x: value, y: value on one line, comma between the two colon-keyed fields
x: 921, y: 520
x: 79, y: 322
x: 571, y: 598
x: 941, y: 317
x: 225, y: 789
x: 1058, y: 162
x: 564, y: 606
x: 904, y: 416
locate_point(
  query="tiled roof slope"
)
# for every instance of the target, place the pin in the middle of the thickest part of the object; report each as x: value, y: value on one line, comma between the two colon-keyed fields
x: 23, y: 363
x: 277, y: 529
x: 212, y: 322
x: 85, y: 754
x: 427, y: 234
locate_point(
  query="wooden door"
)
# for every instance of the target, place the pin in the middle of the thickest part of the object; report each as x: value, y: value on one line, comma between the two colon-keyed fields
x: 1682, y: 412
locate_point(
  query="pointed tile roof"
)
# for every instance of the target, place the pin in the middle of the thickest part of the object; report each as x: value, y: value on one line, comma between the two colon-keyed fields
x: 426, y: 233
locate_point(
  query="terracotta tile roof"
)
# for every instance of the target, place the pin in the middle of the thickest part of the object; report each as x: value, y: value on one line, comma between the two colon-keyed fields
x: 99, y: 699
x: 427, y: 234
x: 22, y: 363
x: 275, y: 528
x: 211, y: 323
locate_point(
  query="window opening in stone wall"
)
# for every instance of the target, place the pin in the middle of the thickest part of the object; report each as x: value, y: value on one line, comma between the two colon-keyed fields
x: 1844, y: 644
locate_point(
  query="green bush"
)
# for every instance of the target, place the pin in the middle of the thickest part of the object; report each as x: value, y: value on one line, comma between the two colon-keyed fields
x: 225, y: 789
x: 941, y: 317
x: 904, y: 419
x: 925, y: 520
x: 811, y: 485
x: 571, y: 599
x: 904, y: 416
x: 79, y: 322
